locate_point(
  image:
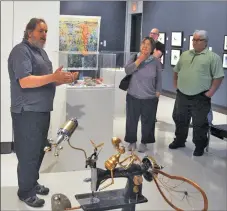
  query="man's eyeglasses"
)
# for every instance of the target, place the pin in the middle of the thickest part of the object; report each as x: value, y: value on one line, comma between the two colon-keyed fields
x: 197, y: 40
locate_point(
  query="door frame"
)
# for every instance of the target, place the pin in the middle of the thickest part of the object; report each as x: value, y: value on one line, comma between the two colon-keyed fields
x: 128, y: 21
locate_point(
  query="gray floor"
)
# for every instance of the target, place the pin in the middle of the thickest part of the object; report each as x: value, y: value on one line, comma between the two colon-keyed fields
x: 209, y: 171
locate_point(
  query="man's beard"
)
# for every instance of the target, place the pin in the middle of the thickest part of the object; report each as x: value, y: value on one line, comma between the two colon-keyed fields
x: 37, y: 43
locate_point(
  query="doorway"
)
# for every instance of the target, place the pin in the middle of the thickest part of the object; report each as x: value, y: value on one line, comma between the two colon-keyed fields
x: 136, y: 24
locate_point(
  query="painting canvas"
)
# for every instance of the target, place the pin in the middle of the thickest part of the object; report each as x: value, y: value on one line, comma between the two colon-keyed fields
x: 176, y: 39
x: 78, y: 35
x: 162, y: 37
x: 175, y: 56
x: 225, y: 60
x: 225, y: 43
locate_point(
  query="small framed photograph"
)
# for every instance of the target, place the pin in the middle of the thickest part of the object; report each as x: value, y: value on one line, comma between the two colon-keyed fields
x: 162, y: 37
x: 190, y: 42
x: 175, y: 56
x: 225, y: 60
x: 177, y: 39
x: 225, y: 43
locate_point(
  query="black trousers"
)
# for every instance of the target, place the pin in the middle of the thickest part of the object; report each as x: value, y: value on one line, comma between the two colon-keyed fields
x: 196, y: 107
x: 144, y: 109
x: 30, y: 137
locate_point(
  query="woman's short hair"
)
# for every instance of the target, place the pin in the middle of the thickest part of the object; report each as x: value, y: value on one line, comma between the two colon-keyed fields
x: 32, y: 25
x: 152, y: 41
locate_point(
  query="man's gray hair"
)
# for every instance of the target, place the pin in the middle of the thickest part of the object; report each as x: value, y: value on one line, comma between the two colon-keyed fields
x: 202, y: 34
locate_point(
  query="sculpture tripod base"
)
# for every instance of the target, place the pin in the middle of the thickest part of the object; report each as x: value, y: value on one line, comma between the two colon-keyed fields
x: 109, y: 200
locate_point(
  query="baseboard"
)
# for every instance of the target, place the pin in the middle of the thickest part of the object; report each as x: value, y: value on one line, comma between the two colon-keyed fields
x: 7, y: 147
x: 217, y: 108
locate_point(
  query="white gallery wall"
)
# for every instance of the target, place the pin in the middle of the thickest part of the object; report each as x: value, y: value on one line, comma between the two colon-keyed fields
x: 6, y: 46
x: 14, y: 17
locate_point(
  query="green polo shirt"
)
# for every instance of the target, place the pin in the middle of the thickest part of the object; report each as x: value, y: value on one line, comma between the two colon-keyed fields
x: 197, y: 70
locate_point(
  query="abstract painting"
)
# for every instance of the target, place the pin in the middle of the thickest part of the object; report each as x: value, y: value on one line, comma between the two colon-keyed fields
x: 79, y: 38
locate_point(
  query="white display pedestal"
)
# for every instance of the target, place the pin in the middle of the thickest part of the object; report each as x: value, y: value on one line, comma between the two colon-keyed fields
x: 115, y: 75
x: 94, y: 109
x: 58, y: 115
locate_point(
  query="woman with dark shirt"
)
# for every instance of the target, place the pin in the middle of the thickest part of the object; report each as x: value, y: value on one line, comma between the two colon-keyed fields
x: 142, y: 95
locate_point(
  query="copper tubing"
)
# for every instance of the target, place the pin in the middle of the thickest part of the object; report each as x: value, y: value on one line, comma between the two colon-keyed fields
x: 156, y: 171
x: 73, y: 208
x: 78, y: 149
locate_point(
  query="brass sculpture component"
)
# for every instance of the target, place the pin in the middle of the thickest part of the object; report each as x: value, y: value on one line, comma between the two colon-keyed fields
x: 138, y: 180
x: 135, y: 189
x: 58, y: 148
x: 96, y: 146
x: 51, y: 146
x: 47, y: 149
x: 116, y: 142
x: 114, y: 160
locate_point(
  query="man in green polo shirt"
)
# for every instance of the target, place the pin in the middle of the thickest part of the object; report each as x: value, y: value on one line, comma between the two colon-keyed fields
x: 197, y: 76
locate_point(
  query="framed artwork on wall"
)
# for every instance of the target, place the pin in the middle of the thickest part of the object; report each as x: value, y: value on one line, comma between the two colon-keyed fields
x: 175, y: 56
x: 225, y: 43
x: 162, y: 37
x: 225, y: 60
x: 190, y: 42
x: 177, y: 39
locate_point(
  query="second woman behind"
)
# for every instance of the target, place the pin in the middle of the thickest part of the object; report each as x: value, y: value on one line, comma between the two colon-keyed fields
x: 142, y: 95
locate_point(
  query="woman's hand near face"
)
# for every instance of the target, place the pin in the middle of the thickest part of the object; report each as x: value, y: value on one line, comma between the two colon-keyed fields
x: 143, y: 57
x: 140, y: 59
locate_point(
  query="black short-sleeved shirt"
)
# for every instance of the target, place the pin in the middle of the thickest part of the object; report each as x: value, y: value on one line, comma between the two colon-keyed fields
x: 161, y: 47
x: 25, y: 60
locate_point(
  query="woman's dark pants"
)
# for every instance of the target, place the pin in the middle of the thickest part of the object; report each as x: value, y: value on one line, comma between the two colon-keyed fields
x: 146, y: 110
